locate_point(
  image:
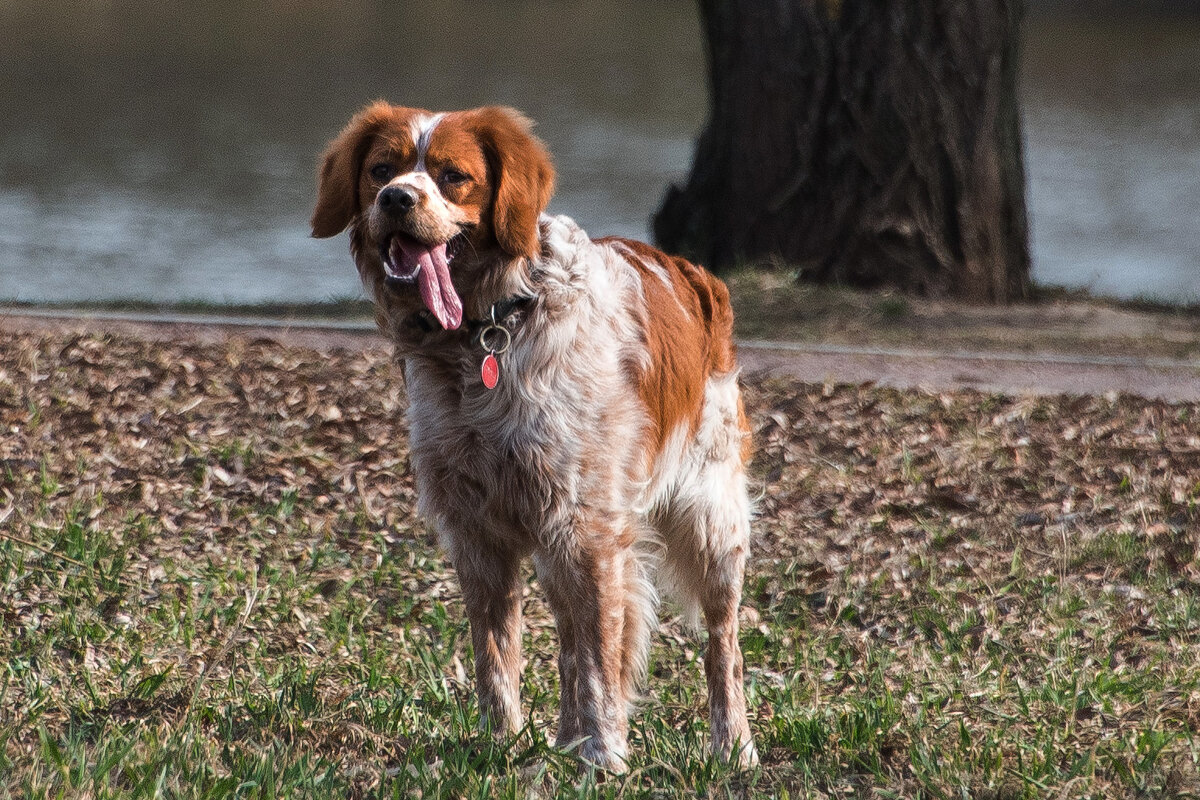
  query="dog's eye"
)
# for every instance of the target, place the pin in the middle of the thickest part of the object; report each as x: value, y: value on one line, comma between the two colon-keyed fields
x: 383, y: 172
x: 452, y: 177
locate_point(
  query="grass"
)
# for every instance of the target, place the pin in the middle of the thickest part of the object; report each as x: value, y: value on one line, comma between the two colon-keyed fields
x: 213, y: 585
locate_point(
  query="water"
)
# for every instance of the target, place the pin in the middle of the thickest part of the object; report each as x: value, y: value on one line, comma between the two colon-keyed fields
x: 167, y: 151
x: 1112, y: 120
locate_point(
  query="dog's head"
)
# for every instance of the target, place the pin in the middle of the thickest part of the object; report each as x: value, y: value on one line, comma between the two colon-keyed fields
x: 421, y: 189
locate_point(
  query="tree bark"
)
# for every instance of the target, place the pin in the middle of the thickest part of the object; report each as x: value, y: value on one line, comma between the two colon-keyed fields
x: 863, y: 142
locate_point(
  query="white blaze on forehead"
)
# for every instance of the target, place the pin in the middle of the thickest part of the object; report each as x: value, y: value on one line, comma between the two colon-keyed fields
x: 418, y: 179
x: 422, y: 131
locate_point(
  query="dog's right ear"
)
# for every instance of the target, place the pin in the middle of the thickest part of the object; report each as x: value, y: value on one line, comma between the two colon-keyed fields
x: 337, y: 181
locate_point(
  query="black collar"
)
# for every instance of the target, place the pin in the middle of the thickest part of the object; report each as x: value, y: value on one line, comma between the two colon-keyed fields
x: 501, y: 313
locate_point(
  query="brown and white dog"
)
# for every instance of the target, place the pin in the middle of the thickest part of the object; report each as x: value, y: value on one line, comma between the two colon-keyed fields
x: 571, y: 399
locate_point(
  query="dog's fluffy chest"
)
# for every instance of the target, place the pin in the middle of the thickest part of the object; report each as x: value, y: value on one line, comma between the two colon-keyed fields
x: 559, y: 435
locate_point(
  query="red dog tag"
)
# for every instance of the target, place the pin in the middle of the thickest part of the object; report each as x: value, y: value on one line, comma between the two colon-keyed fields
x: 490, y: 371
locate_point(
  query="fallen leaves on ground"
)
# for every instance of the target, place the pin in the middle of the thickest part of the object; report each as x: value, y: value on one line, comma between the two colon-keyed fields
x: 898, y: 522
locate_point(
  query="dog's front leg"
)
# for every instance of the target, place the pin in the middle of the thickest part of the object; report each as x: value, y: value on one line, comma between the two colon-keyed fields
x: 586, y: 591
x: 568, y: 676
x: 491, y: 588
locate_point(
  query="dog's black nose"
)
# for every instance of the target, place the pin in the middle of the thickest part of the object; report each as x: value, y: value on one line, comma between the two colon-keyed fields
x: 397, y: 199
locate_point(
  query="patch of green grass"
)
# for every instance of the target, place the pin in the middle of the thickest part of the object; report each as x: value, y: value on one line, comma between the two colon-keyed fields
x: 1123, y: 551
x: 232, y: 598
x: 892, y: 308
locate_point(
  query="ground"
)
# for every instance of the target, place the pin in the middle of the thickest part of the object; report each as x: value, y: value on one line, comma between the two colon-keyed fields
x: 212, y: 584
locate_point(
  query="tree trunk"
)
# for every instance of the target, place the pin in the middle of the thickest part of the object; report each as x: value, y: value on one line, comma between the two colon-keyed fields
x: 865, y: 142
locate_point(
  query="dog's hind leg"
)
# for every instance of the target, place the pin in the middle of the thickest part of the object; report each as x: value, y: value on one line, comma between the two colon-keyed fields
x: 719, y: 599
x: 708, y: 540
x: 706, y: 527
x: 491, y: 588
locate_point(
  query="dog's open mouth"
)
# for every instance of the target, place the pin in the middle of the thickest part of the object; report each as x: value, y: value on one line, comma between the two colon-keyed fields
x: 407, y: 261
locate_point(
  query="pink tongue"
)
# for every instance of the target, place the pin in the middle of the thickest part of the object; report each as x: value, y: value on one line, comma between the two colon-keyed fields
x: 437, y: 291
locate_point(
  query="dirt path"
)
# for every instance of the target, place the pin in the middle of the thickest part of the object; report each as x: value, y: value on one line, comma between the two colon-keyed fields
x: 1008, y: 373
x: 989, y: 372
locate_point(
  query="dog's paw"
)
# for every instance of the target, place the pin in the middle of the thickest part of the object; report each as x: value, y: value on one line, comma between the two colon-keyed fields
x: 611, y: 759
x: 743, y: 756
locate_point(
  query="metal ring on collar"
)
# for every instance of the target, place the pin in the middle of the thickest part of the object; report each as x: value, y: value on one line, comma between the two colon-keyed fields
x: 495, y: 330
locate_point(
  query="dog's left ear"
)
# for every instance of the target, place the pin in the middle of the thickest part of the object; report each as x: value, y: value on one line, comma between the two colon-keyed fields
x: 522, y: 173
x: 337, y: 181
